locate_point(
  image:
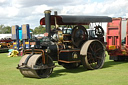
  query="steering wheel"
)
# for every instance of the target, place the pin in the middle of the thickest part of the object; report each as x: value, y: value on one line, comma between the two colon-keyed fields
x: 99, y: 31
x: 79, y: 35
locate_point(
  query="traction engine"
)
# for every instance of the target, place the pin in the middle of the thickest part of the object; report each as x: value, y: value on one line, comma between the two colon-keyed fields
x: 69, y: 43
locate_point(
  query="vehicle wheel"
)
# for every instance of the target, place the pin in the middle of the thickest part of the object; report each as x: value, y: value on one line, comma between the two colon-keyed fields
x: 95, y: 55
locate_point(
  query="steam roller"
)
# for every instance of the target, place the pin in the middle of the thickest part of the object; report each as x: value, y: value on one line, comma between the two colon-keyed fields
x: 69, y: 43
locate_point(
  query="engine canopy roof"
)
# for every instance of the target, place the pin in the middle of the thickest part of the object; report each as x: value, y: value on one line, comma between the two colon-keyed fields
x: 75, y: 20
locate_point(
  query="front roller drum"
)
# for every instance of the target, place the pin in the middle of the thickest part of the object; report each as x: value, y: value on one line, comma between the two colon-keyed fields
x: 93, y: 54
x: 36, y: 60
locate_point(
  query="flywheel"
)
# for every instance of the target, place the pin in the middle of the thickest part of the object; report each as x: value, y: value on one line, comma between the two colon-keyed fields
x: 93, y: 54
x: 79, y: 35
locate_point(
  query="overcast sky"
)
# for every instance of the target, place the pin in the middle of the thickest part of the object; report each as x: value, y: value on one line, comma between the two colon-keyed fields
x: 18, y: 12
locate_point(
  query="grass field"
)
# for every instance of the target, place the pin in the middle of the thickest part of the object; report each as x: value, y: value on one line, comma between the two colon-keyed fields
x: 113, y: 73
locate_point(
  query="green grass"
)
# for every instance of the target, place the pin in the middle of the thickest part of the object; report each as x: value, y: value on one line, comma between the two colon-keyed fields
x: 113, y: 73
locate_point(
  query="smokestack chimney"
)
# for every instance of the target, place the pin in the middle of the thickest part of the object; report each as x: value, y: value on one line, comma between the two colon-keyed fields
x: 48, y: 22
x: 55, y: 12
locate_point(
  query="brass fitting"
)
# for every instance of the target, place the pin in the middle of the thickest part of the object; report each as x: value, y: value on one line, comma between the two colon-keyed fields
x: 47, y: 11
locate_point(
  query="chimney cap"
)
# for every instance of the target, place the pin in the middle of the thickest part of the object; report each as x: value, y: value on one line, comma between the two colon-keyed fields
x: 47, y: 11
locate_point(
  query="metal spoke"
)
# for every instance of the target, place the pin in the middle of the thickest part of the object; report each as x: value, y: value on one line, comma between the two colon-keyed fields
x: 89, y: 53
x: 99, y: 57
x: 94, y: 45
x: 97, y: 49
x: 91, y: 48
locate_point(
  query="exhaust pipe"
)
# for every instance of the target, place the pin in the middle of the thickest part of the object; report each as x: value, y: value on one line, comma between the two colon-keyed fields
x: 48, y: 22
x: 55, y: 12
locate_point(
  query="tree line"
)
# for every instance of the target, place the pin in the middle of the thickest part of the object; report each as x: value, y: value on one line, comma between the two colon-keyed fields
x: 7, y: 29
x: 37, y: 30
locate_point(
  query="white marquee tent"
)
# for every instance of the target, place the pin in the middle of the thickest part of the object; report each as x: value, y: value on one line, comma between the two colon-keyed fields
x: 5, y: 36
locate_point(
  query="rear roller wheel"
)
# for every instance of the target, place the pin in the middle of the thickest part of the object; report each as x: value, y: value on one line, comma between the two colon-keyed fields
x: 71, y: 65
x: 95, y: 55
x: 36, y: 60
